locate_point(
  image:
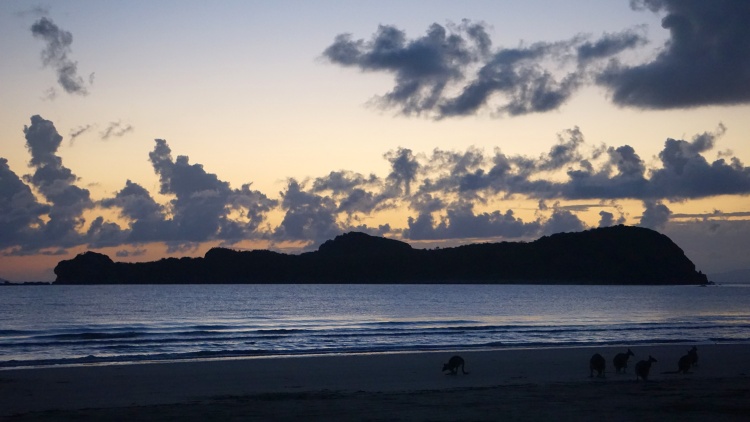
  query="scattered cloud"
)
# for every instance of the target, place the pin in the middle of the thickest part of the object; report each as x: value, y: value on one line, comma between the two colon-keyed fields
x: 455, y: 71
x: 55, y: 55
x: 116, y: 129
x: 447, y: 194
x: 80, y: 130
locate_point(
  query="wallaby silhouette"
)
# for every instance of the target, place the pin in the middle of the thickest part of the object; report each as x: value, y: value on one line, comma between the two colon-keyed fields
x: 453, y: 364
x: 693, y: 353
x: 643, y: 367
x: 596, y: 363
x: 685, y: 362
x: 621, y: 361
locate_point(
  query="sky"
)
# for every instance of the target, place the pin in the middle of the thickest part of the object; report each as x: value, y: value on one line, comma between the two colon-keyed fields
x: 146, y: 130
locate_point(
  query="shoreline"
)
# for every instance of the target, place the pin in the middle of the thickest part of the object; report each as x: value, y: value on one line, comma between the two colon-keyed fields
x: 96, y: 362
x: 305, y: 382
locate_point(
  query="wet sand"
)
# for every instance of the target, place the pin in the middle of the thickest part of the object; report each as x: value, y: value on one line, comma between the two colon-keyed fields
x: 528, y: 384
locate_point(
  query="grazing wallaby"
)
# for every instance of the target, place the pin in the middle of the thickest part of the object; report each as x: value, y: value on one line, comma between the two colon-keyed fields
x: 621, y: 361
x: 597, y: 363
x: 693, y: 353
x: 643, y: 367
x: 453, y: 364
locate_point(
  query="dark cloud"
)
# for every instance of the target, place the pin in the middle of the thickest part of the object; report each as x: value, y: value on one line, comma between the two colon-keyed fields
x: 704, y: 62
x: 608, y: 219
x: 601, y: 173
x: 19, y: 209
x: 429, y: 70
x: 203, y: 208
x: 562, y: 220
x: 56, y: 53
x: 451, y: 72
x: 202, y: 204
x: 610, y: 45
x: 56, y: 183
x: 146, y: 218
x: 442, y: 190
x: 308, y: 216
x: 687, y: 174
x: 404, y: 168
x: 104, y: 233
x: 516, y: 75
x: 655, y: 216
x: 354, y: 192
x: 461, y: 222
x: 423, y: 68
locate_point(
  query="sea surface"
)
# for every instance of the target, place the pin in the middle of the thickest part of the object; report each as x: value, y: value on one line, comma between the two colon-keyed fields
x: 63, y: 325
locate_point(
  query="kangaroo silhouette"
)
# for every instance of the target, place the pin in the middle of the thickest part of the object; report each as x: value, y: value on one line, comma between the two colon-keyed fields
x: 453, y: 364
x: 685, y: 362
x: 643, y: 367
x: 596, y: 363
x: 693, y: 353
x: 621, y: 361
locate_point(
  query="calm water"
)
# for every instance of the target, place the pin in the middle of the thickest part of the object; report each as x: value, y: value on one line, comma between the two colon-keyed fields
x: 48, y: 325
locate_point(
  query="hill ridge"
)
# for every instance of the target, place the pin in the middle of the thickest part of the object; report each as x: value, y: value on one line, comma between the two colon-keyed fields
x: 611, y: 255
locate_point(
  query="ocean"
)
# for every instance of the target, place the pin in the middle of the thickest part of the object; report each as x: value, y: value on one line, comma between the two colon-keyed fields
x: 112, y: 324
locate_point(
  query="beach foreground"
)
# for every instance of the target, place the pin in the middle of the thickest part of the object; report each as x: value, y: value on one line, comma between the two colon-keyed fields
x: 519, y: 384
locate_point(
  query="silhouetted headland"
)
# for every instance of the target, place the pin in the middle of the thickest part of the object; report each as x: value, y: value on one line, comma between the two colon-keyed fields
x: 612, y: 255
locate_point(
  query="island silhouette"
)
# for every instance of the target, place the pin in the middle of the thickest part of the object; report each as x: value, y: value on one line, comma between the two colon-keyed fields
x: 611, y: 255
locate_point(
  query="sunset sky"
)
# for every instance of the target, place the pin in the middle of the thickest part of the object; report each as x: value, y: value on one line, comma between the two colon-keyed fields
x: 148, y: 129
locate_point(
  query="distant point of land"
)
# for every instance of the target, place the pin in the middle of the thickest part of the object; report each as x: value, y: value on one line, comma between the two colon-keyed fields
x: 611, y: 255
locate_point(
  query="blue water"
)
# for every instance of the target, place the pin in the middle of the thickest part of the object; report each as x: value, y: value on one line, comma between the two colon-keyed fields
x: 52, y: 325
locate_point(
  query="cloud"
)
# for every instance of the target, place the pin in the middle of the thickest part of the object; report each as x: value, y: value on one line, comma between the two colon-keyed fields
x: 704, y: 61
x: 117, y: 129
x: 686, y: 173
x: 202, y: 202
x: 308, y: 216
x: 80, y: 130
x: 404, y: 168
x: 442, y: 195
x: 562, y: 220
x: 202, y: 208
x: 124, y: 253
x: 655, y: 216
x: 146, y: 218
x: 608, y: 219
x: 455, y: 71
x: 56, y: 53
x: 56, y: 183
x: 20, y: 211
x: 423, y: 67
x: 461, y: 222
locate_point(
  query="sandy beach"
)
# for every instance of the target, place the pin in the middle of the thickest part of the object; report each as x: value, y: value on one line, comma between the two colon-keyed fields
x: 517, y: 384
